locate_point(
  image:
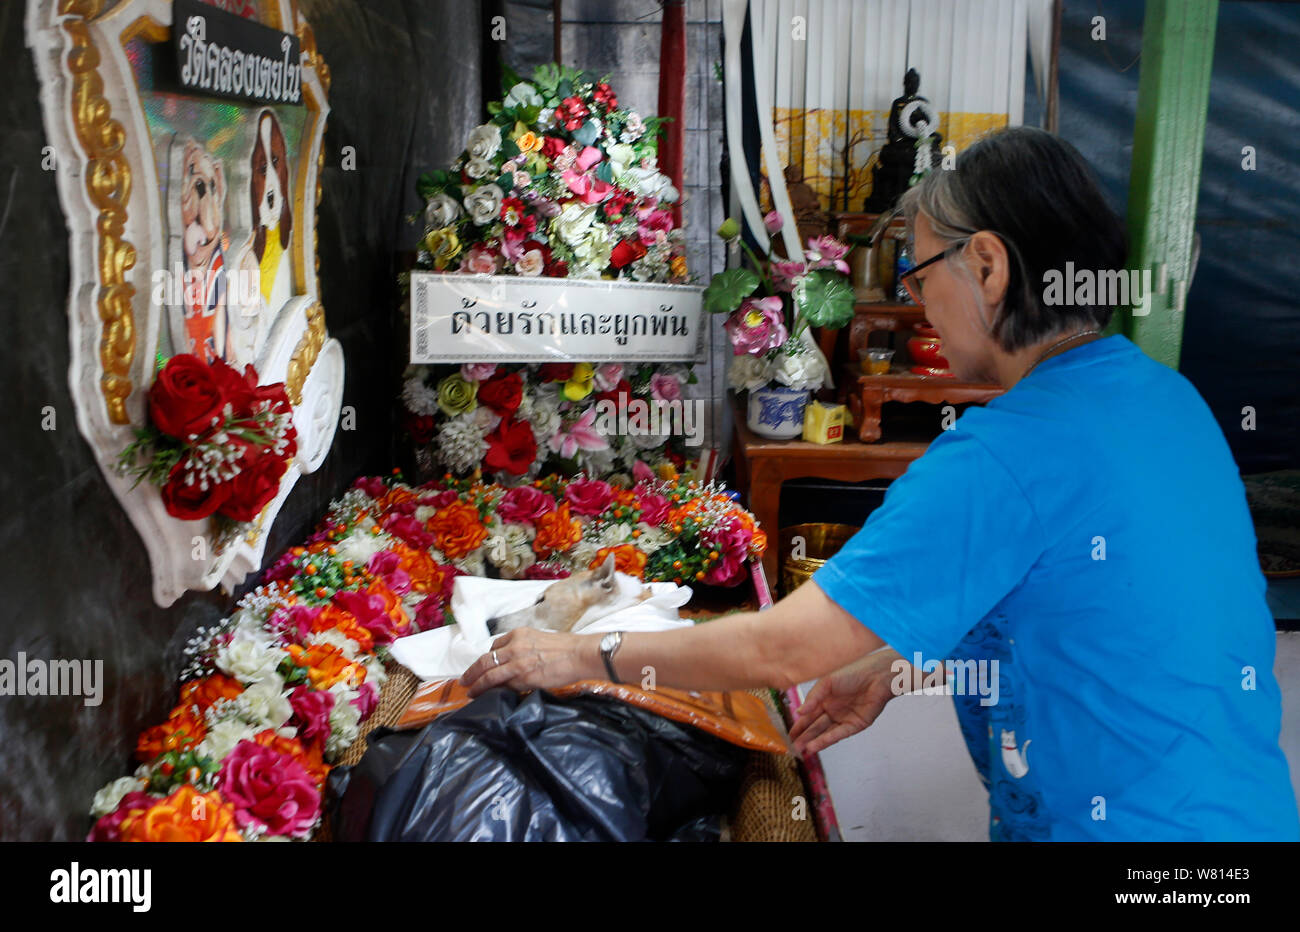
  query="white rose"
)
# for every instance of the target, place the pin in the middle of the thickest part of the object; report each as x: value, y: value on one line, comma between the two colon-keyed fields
x: 531, y: 264
x: 250, y: 660
x: 747, y: 373
x: 484, y: 141
x: 620, y: 158
x: 615, y: 534
x: 222, y: 737
x: 595, y: 249
x: 522, y: 94
x: 801, y: 370
x: 344, y: 719
x: 441, y: 211
x: 479, y: 168
x: 511, y: 550
x: 653, y: 538
x: 108, y: 797
x: 484, y: 204
x: 361, y: 545
x: 546, y: 119
x: 266, y: 704
x: 574, y: 222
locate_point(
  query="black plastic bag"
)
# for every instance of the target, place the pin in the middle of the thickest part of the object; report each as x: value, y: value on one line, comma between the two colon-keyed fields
x: 536, y: 768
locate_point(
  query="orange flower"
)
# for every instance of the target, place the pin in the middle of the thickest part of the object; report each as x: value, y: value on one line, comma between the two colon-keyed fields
x: 758, y: 546
x: 185, y: 815
x: 556, y: 531
x: 331, y: 616
x: 528, y: 142
x: 326, y: 665
x: 309, y: 757
x: 627, y: 559
x: 205, y: 692
x: 395, y: 496
x: 457, y: 529
x: 184, y: 728
x: 422, y: 568
x: 393, y: 607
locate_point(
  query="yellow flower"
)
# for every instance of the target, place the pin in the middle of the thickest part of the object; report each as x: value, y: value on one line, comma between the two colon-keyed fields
x: 677, y: 266
x: 456, y: 396
x: 580, y: 383
x: 529, y: 142
x: 443, y: 245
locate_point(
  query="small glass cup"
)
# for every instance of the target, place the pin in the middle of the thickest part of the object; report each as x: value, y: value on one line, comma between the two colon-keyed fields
x: 875, y: 361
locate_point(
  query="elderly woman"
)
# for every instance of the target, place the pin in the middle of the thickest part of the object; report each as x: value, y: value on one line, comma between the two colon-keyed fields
x: 1095, y: 543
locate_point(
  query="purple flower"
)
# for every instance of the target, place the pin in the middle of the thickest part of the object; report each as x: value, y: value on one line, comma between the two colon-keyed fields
x: 826, y: 252
x: 756, y: 326
x: 785, y: 274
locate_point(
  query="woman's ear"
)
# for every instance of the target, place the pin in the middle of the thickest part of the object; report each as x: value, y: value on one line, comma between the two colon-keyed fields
x: 991, y: 265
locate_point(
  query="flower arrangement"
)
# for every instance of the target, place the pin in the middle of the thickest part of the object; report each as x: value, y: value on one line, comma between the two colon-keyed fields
x: 773, y: 302
x: 560, y: 182
x: 518, y: 421
x: 216, y: 443
x: 273, y: 696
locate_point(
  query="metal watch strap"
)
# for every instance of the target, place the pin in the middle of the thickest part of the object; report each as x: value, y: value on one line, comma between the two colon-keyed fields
x: 607, y: 655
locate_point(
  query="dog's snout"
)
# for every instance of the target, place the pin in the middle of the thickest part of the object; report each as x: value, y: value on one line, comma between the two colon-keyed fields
x: 200, y: 188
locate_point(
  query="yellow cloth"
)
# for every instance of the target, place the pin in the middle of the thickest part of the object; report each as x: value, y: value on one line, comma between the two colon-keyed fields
x: 270, y: 262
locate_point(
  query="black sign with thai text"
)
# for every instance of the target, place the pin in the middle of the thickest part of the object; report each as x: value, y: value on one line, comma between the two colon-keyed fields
x: 228, y: 56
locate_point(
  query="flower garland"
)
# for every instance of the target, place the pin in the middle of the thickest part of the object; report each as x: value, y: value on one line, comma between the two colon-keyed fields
x: 272, y: 697
x: 217, y: 443
x: 518, y: 421
x: 559, y: 182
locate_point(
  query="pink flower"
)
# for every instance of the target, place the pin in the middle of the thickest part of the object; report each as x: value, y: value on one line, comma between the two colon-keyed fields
x: 756, y: 326
x: 587, y: 158
x: 608, y: 376
x: 531, y: 263
x: 370, y: 612
x: 785, y: 274
x: 731, y: 539
x: 566, y: 159
x: 470, y: 372
x: 269, y: 790
x: 512, y: 245
x: 826, y: 252
x: 654, y: 507
x: 311, y: 713
x: 409, y: 531
x: 371, y: 485
x: 642, y: 473
x: 653, y: 224
x: 430, y: 614
x: 367, y: 699
x: 773, y: 221
x: 109, y: 827
x: 440, y: 500
x: 293, y: 624
x: 665, y: 387
x: 388, y: 564
x: 524, y: 505
x: 580, y: 435
x: 481, y: 262
x: 283, y: 568
x: 589, y: 496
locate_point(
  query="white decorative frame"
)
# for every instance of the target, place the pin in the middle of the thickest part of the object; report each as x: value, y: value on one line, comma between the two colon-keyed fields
x: 109, y: 188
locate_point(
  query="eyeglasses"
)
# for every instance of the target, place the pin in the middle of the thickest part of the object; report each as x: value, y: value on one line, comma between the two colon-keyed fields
x: 913, y: 284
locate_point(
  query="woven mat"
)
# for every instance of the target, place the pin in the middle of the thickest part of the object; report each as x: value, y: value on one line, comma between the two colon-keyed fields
x: 764, y: 806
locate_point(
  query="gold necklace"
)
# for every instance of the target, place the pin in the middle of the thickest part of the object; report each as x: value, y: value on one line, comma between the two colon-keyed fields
x: 1073, y: 336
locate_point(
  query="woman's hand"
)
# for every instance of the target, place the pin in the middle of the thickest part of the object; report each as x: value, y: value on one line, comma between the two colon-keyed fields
x: 526, y: 658
x: 846, y: 701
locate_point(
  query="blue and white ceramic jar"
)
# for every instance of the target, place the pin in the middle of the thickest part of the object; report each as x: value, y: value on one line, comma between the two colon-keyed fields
x: 776, y: 412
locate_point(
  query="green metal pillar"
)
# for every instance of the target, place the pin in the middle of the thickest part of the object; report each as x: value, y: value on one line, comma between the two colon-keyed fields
x: 1168, y: 140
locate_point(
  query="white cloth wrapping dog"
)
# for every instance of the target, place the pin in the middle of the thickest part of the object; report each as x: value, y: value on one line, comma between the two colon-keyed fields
x: 447, y: 652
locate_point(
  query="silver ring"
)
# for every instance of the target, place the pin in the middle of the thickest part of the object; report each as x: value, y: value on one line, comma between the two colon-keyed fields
x: 495, y: 661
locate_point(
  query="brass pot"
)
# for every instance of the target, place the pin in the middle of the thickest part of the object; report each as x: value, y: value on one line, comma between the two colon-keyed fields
x: 820, y: 543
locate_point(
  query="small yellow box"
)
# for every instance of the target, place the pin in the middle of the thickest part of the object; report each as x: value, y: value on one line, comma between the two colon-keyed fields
x: 823, y: 423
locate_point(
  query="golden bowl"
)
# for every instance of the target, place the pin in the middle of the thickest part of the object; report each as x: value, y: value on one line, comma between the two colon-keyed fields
x: 820, y: 543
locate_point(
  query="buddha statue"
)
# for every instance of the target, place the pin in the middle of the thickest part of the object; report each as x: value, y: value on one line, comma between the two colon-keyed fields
x: 910, y: 118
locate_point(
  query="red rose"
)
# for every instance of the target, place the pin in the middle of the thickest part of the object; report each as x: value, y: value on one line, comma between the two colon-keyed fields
x: 511, y: 447
x: 556, y: 270
x: 589, y: 496
x: 256, y: 484
x: 524, y: 504
x: 626, y: 252
x: 185, y: 397
x: 419, y: 426
x: 555, y: 371
x: 604, y: 94
x: 502, y: 393
x: 552, y: 146
x: 190, y: 502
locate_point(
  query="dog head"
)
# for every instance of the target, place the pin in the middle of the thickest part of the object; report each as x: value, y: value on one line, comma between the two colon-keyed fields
x: 269, y: 184
x: 203, y: 199
x: 562, y: 603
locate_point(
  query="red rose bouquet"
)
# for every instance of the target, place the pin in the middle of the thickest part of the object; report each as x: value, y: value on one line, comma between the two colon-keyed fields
x: 217, y: 443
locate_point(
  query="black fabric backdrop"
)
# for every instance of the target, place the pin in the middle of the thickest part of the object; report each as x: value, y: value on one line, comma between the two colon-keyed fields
x: 75, y: 581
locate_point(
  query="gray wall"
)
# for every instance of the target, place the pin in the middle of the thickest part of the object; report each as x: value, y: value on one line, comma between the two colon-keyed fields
x: 73, y: 570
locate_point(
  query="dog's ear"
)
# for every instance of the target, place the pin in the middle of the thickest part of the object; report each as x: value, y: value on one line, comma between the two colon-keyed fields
x: 605, y: 575
x: 286, y: 215
x: 219, y: 172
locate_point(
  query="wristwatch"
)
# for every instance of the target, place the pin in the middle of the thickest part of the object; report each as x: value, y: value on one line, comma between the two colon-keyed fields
x: 609, y: 644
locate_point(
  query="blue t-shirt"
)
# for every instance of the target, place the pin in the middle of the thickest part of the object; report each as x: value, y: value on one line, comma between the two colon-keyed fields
x: 1088, y: 530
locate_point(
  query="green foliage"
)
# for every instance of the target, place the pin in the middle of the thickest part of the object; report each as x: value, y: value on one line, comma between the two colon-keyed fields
x: 728, y: 289
x: 825, y: 299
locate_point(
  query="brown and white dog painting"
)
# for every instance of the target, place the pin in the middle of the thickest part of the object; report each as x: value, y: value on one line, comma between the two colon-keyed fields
x: 266, y: 257
x: 201, y: 181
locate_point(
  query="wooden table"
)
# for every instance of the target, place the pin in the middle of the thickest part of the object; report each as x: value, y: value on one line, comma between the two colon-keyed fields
x: 865, y: 394
x: 762, y: 465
